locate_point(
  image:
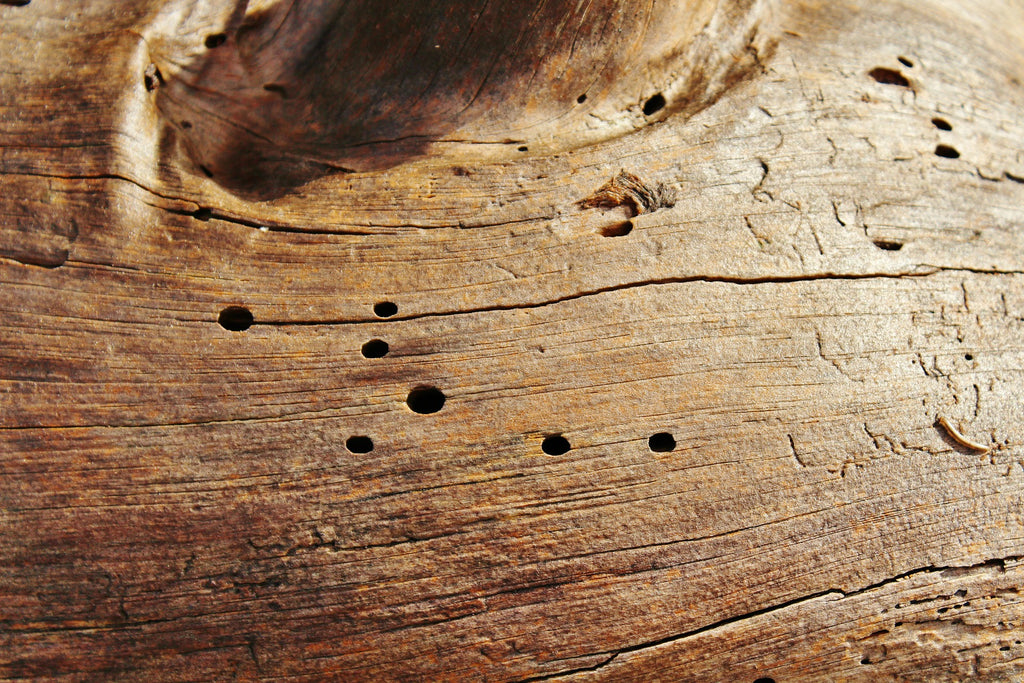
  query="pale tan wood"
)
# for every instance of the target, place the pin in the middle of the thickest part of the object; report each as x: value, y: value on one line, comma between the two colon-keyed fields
x: 818, y: 286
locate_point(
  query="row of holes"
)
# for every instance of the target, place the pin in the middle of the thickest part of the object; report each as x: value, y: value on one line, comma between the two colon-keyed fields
x: 426, y: 399
x: 423, y: 399
x: 240, y: 318
x: 556, y: 444
x: 888, y: 76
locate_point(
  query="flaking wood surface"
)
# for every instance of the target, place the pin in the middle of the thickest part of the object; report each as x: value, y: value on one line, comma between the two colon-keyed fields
x: 805, y: 262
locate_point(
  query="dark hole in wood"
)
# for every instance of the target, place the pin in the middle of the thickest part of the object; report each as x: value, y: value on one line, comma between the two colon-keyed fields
x: 947, y: 152
x: 655, y: 104
x: 276, y: 89
x: 942, y: 124
x: 581, y: 99
x: 215, y: 40
x: 556, y: 444
x: 888, y: 245
x: 906, y: 62
x: 618, y: 230
x: 152, y: 77
x: 359, y: 444
x: 662, y: 442
x: 425, y: 400
x: 523, y: 148
x: 15, y: 3
x: 866, y: 660
x: 889, y: 76
x: 375, y: 348
x: 207, y: 172
x: 385, y: 309
x: 235, y: 318
x: 202, y: 214
x: 765, y: 680
x: 186, y: 124
x: 968, y: 356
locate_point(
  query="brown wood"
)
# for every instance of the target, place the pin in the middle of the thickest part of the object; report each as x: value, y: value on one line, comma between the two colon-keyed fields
x: 759, y: 263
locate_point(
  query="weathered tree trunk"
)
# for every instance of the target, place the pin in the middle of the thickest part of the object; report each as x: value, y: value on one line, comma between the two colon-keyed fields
x: 512, y: 341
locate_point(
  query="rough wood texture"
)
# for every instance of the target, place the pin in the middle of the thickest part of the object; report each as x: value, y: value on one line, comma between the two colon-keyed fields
x: 235, y: 237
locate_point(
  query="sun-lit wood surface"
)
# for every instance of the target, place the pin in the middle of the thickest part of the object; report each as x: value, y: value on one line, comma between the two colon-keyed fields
x: 510, y: 341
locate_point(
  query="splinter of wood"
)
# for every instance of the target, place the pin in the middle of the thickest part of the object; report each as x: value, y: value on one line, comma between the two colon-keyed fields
x: 955, y: 434
x: 628, y: 190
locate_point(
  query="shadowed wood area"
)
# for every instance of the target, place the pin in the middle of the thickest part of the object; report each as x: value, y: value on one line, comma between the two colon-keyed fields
x: 577, y: 341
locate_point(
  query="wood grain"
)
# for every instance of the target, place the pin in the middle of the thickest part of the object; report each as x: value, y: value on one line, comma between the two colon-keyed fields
x: 800, y: 282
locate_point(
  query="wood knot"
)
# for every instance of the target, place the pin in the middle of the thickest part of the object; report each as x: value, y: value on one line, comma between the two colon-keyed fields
x: 275, y: 97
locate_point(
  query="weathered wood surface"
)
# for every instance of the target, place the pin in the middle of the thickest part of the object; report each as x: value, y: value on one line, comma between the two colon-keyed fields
x: 826, y: 259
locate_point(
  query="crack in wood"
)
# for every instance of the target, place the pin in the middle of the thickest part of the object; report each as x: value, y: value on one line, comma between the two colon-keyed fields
x: 842, y: 594
x: 795, y: 452
x: 206, y: 213
x: 708, y: 279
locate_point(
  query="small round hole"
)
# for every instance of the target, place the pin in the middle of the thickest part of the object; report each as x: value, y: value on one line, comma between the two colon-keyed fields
x: 425, y: 400
x: 947, y: 152
x: 968, y: 356
x: 523, y: 148
x: 618, y: 230
x: 235, y: 318
x: 905, y: 62
x: 186, y: 125
x: 942, y: 124
x: 662, y: 442
x: 202, y: 214
x: 581, y: 99
x: 385, y: 309
x: 359, y: 444
x: 655, y: 104
x: 765, y: 680
x: 215, y: 40
x: 555, y: 444
x: 375, y: 348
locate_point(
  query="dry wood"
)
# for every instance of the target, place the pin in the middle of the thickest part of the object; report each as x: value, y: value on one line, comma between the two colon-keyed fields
x: 512, y: 341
